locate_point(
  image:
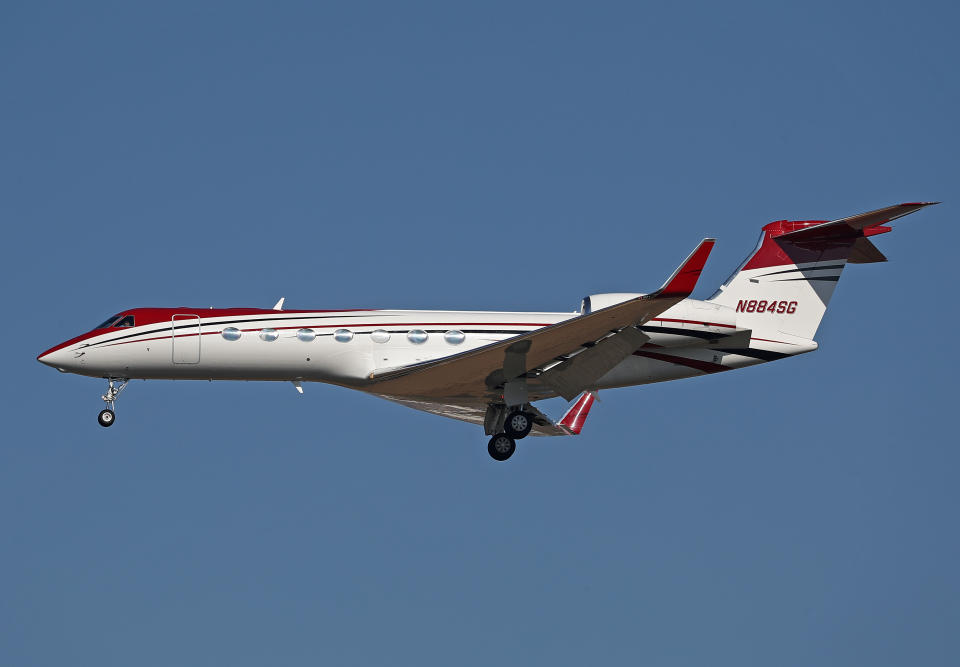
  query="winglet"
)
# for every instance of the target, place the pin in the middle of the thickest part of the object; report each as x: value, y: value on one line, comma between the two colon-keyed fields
x: 684, y: 279
x: 279, y: 304
x: 577, y: 415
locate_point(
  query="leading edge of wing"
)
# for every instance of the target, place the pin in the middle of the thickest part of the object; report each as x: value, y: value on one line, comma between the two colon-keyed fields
x: 467, y: 372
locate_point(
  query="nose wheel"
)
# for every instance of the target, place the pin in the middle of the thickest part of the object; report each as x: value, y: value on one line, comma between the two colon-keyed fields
x: 501, y: 447
x: 107, y: 416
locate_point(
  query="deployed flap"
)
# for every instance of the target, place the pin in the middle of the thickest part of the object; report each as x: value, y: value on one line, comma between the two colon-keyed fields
x: 580, y: 372
x: 481, y: 371
x: 854, y: 225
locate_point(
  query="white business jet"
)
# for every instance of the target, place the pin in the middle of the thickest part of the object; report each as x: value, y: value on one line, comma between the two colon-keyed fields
x: 490, y: 368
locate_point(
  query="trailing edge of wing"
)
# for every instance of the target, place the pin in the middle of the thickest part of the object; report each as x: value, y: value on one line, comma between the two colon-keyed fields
x: 483, y: 370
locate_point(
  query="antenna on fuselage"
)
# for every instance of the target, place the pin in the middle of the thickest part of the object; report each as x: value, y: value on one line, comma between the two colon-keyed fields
x: 279, y: 305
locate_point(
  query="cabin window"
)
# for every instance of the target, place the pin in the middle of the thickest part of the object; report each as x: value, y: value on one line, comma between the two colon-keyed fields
x: 343, y: 335
x: 306, y: 335
x: 125, y: 322
x: 417, y: 336
x: 110, y: 320
x: 380, y: 336
x: 269, y: 335
x: 454, y: 337
x: 231, y: 333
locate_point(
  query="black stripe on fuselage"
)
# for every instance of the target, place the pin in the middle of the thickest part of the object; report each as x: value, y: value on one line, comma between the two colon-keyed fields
x: 765, y: 355
x: 807, y: 268
x: 189, y: 325
x: 319, y: 335
x: 830, y: 279
x: 472, y: 331
x: 705, y: 335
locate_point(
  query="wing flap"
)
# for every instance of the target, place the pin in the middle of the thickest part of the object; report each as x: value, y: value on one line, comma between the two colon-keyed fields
x: 571, y: 377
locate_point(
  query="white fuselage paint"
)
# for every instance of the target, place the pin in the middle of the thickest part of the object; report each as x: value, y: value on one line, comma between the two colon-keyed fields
x: 687, y: 340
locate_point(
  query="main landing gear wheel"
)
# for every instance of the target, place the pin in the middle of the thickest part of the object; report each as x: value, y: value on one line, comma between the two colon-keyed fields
x: 501, y: 447
x: 106, y: 417
x: 518, y: 424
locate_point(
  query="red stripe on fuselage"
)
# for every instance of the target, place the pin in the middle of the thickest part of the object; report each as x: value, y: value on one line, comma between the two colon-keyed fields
x: 152, y: 316
x: 705, y: 366
x: 767, y: 340
x: 149, y: 316
x: 325, y: 326
x: 209, y: 314
x: 700, y: 322
x: 146, y: 316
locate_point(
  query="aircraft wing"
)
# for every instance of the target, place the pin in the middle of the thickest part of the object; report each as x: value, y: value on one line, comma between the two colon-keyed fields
x: 474, y: 412
x: 480, y: 374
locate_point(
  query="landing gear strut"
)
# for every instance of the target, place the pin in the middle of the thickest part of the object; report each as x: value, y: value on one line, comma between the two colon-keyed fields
x: 501, y: 447
x: 107, y: 416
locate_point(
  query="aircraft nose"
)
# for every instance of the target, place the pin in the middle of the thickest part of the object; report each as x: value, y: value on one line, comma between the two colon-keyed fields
x: 55, y: 358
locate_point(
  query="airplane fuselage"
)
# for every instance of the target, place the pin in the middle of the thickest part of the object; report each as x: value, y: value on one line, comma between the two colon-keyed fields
x: 345, y: 347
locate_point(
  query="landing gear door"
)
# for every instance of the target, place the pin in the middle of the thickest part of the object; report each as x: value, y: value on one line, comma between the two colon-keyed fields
x: 186, y: 339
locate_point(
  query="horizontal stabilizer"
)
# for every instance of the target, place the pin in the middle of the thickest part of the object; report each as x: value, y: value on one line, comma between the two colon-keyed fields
x: 854, y: 226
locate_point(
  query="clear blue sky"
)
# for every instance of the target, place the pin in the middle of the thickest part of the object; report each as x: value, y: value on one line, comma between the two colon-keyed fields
x: 484, y: 156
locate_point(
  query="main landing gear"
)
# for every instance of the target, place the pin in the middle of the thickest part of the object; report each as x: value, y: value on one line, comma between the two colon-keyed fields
x: 501, y: 447
x: 107, y: 416
x: 516, y: 426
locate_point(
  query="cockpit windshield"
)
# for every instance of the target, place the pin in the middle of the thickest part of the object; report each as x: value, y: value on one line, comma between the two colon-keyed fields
x: 110, y: 320
x: 117, y: 321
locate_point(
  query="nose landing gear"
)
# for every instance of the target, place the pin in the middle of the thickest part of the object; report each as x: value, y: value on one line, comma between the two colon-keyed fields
x: 107, y: 416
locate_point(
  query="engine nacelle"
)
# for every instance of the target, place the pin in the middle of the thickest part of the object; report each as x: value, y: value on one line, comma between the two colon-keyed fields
x: 596, y: 302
